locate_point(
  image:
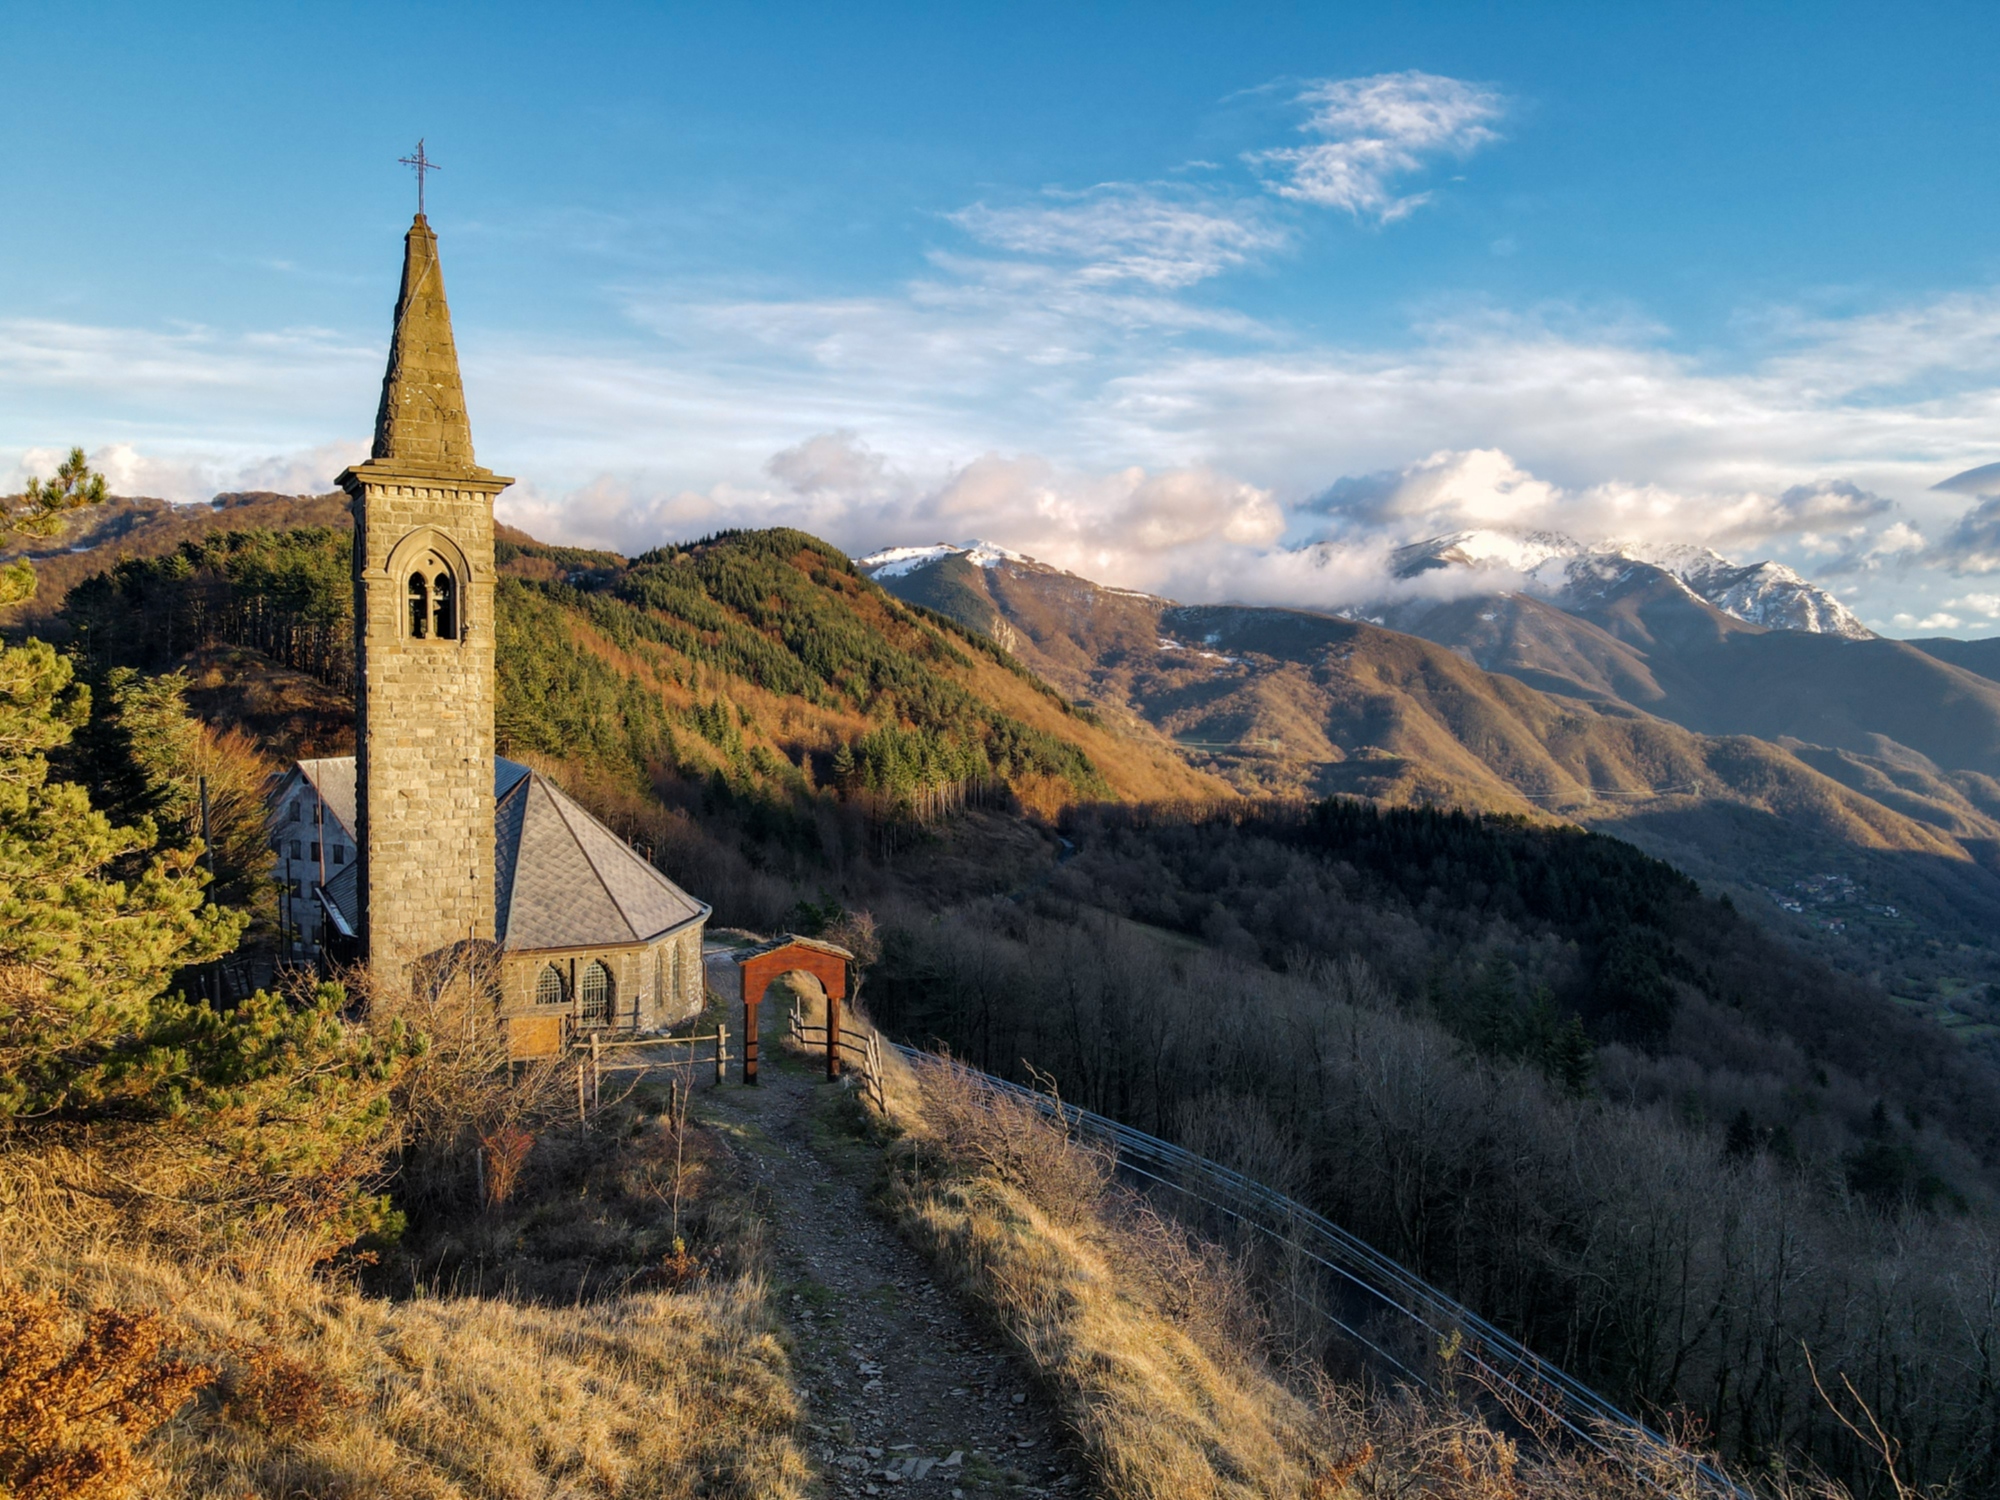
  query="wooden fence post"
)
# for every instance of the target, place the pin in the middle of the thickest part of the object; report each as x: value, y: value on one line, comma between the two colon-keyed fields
x: 721, y: 1052
x: 832, y: 1037
x: 596, y: 1076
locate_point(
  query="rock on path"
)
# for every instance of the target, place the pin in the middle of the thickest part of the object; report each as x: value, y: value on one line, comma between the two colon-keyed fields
x: 905, y: 1393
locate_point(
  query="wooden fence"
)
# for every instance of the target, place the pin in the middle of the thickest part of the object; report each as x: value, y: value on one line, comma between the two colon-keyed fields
x: 590, y: 1070
x: 865, y: 1046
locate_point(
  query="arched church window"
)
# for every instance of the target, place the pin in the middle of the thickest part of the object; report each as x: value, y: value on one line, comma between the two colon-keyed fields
x: 420, y: 607
x: 549, y: 988
x: 598, y: 993
x: 444, y: 607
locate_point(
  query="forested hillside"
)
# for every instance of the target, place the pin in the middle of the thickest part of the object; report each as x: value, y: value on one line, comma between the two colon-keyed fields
x: 755, y: 668
x: 1860, y: 848
x: 1537, y: 1067
x: 1534, y: 1063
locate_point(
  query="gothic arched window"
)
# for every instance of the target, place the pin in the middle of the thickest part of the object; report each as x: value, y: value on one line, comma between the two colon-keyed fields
x: 549, y: 987
x: 420, y: 607
x: 598, y: 994
x: 444, y: 607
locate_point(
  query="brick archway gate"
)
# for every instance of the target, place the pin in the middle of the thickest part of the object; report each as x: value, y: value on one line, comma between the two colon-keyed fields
x: 757, y: 967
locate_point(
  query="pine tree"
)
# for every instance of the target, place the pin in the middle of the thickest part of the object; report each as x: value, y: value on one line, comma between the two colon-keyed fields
x: 38, y: 512
x: 83, y: 954
x: 1572, y: 1060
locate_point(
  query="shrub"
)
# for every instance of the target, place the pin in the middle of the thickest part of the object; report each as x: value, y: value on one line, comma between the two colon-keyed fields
x: 71, y: 1410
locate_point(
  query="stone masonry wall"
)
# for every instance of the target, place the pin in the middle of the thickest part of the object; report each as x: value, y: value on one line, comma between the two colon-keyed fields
x: 424, y: 722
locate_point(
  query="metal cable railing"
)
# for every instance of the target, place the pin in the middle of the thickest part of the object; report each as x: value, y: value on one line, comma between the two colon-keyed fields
x: 1522, y: 1379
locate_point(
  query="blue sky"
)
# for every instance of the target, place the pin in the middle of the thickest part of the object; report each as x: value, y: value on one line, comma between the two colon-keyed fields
x: 1128, y: 288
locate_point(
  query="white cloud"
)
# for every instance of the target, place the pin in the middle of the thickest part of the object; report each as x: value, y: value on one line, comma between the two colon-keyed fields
x: 1938, y: 621
x: 1378, y: 130
x: 1973, y: 543
x: 1986, y: 605
x: 1132, y: 526
x: 184, y: 475
x: 1485, y: 488
x: 1165, y: 238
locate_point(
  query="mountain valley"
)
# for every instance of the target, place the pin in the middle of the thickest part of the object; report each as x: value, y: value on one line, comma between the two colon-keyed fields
x: 1760, y: 760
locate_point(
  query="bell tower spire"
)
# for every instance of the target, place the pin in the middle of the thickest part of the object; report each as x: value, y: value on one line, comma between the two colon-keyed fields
x: 423, y: 644
x: 421, y: 419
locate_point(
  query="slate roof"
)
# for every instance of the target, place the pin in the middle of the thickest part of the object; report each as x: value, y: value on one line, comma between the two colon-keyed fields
x: 561, y: 878
x: 333, y: 779
x: 567, y: 881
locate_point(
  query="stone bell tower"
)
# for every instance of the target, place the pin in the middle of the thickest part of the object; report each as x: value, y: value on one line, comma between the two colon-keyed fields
x: 423, y: 644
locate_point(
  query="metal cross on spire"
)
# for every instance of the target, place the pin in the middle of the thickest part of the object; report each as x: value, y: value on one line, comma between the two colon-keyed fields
x: 422, y: 164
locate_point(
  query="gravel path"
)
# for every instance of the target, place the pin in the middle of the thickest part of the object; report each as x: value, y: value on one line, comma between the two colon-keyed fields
x: 905, y: 1393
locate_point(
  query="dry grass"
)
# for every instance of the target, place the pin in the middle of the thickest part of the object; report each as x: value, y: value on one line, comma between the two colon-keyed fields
x: 1117, y: 1313
x: 73, y: 1404
x: 654, y: 1373
x: 327, y: 1392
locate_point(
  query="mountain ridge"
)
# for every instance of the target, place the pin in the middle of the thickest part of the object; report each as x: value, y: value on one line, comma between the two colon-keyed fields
x: 1303, y: 702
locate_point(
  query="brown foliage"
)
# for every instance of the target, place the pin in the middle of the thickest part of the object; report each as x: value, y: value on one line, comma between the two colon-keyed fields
x: 274, y: 1392
x: 506, y: 1147
x: 71, y: 1409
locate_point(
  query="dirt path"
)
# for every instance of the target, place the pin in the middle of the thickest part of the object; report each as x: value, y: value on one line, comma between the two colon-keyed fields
x: 905, y: 1393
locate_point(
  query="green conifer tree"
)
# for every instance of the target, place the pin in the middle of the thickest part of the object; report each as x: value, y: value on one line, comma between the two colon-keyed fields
x: 83, y: 953
x: 1571, y: 1059
x: 38, y: 513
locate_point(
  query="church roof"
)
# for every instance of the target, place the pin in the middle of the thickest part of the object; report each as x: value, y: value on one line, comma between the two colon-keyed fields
x: 567, y: 881
x: 333, y: 778
x: 561, y: 878
x: 422, y: 418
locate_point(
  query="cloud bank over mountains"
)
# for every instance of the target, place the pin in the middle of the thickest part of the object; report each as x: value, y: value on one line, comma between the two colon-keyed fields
x: 1071, y: 374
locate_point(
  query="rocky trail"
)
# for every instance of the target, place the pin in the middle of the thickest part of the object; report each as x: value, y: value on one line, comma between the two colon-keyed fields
x: 905, y: 1392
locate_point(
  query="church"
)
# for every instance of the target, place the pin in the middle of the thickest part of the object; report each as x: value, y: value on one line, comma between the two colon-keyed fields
x: 424, y: 849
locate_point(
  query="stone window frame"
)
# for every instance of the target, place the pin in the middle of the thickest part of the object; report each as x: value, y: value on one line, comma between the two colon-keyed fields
x: 595, y: 970
x: 435, y: 588
x: 554, y: 971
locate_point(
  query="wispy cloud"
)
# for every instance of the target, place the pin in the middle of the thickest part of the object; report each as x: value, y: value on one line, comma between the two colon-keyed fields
x: 1375, y: 132
x: 1166, y: 238
x: 1067, y: 376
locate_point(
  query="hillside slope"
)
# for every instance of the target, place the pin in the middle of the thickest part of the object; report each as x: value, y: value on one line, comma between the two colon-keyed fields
x: 1982, y: 657
x: 1642, y: 639
x: 759, y: 661
x: 1292, y: 701
x: 97, y: 536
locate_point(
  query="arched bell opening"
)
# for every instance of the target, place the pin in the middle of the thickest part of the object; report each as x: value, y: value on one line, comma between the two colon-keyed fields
x: 420, y: 607
x: 435, y: 582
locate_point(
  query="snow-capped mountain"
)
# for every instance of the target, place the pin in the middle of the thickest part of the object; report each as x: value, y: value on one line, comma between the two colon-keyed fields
x: 1762, y: 593
x: 1558, y: 568
x: 896, y: 562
